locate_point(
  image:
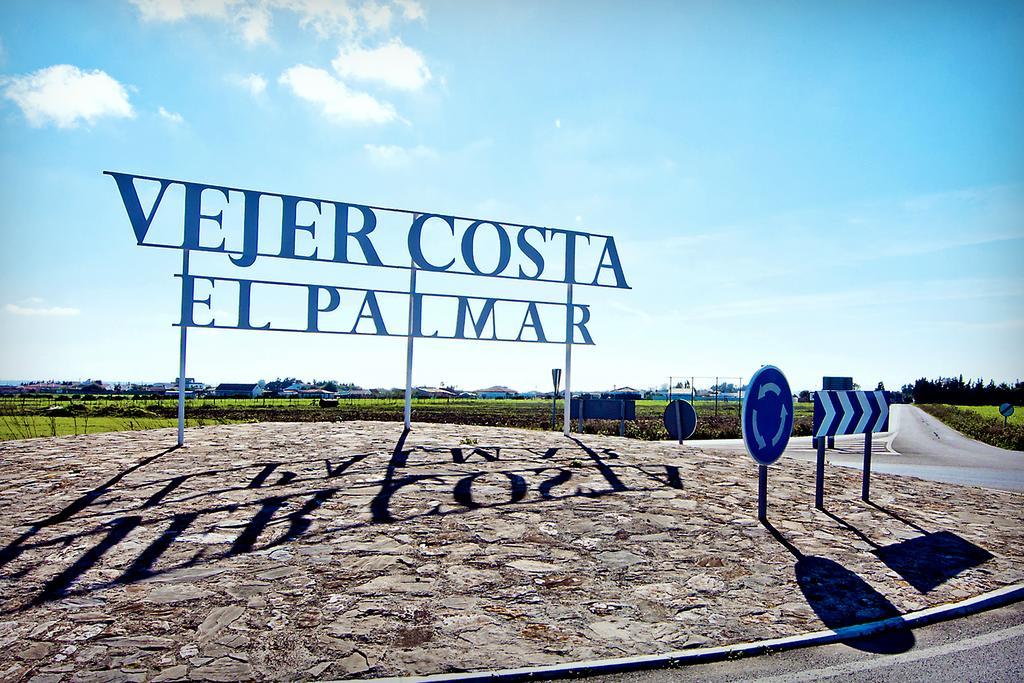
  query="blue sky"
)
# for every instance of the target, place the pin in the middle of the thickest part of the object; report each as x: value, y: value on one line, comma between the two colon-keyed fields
x: 833, y: 188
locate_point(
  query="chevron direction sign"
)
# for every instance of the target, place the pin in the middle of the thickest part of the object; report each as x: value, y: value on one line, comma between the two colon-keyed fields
x: 850, y: 412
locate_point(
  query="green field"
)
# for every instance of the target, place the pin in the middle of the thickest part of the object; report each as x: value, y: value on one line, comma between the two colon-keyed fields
x: 992, y: 412
x: 983, y: 423
x: 35, y: 426
x: 29, y: 417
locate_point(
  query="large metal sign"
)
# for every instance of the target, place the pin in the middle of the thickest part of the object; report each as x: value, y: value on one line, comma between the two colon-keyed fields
x: 250, y: 227
x: 829, y: 383
x: 603, y: 409
x: 837, y: 413
x: 847, y: 412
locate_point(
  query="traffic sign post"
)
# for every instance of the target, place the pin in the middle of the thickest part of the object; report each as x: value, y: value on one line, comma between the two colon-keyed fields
x: 680, y: 420
x: 762, y: 492
x: 1006, y: 410
x: 767, y: 423
x: 847, y: 412
x: 819, y: 475
x: 865, y: 485
x: 556, y: 379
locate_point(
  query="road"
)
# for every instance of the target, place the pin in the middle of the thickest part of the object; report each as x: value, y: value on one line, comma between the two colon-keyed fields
x: 917, y: 445
x: 983, y: 647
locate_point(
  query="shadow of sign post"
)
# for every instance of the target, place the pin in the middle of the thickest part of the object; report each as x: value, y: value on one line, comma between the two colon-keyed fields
x: 840, y: 598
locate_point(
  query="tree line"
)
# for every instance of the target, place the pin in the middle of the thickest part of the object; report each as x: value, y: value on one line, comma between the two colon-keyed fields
x: 957, y: 391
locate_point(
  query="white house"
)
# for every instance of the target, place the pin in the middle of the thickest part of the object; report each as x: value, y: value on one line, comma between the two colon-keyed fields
x: 497, y: 392
x: 238, y: 390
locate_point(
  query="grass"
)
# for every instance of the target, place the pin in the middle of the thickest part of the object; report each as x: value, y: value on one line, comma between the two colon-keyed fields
x: 992, y: 412
x: 983, y: 423
x: 28, y: 417
x: 35, y: 426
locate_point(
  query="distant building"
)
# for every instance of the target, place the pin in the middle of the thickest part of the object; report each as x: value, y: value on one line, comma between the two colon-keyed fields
x: 316, y: 392
x: 433, y: 392
x: 44, y: 388
x: 624, y: 393
x: 497, y: 392
x: 90, y: 388
x: 238, y: 390
x: 354, y: 393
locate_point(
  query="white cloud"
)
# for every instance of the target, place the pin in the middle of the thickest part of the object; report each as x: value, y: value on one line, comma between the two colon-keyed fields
x: 51, y: 311
x: 256, y: 84
x: 254, y: 18
x: 376, y: 16
x: 324, y: 17
x: 394, y: 156
x: 171, y: 116
x: 254, y: 24
x: 176, y: 10
x: 65, y: 96
x: 411, y: 10
x: 558, y: 123
x: 337, y: 102
x: 394, y: 64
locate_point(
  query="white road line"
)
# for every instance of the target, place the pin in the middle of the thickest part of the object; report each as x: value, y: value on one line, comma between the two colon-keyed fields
x: 892, y: 660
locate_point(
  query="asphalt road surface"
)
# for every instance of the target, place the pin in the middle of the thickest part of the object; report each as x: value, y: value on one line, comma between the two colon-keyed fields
x: 983, y: 647
x: 917, y: 445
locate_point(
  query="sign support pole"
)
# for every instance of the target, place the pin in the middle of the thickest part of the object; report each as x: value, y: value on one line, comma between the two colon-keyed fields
x: 679, y: 424
x: 762, y: 492
x: 865, y: 488
x: 181, y: 353
x: 819, y: 476
x: 554, y: 409
x: 408, y: 348
x: 567, y: 417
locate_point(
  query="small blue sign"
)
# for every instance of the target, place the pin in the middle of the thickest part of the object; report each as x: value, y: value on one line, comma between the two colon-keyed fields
x: 1006, y: 410
x: 680, y: 416
x: 767, y: 415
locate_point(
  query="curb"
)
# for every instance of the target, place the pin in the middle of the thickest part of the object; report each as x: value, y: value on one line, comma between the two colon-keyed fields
x: 980, y: 603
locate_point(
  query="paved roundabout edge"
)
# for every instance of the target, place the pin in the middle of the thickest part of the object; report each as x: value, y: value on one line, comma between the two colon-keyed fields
x: 991, y: 600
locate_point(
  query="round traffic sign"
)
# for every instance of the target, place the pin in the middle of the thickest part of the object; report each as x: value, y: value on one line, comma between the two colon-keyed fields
x: 1006, y: 410
x: 682, y: 414
x: 767, y: 415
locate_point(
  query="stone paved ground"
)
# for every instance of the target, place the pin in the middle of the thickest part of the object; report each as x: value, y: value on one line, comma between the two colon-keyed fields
x: 282, y: 551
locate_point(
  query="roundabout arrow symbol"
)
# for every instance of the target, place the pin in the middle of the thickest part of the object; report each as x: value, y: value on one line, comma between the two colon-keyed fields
x: 783, y: 414
x: 757, y: 433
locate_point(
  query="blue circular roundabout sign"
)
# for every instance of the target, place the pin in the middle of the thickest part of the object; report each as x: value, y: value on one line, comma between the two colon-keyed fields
x: 767, y: 415
x: 680, y: 416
